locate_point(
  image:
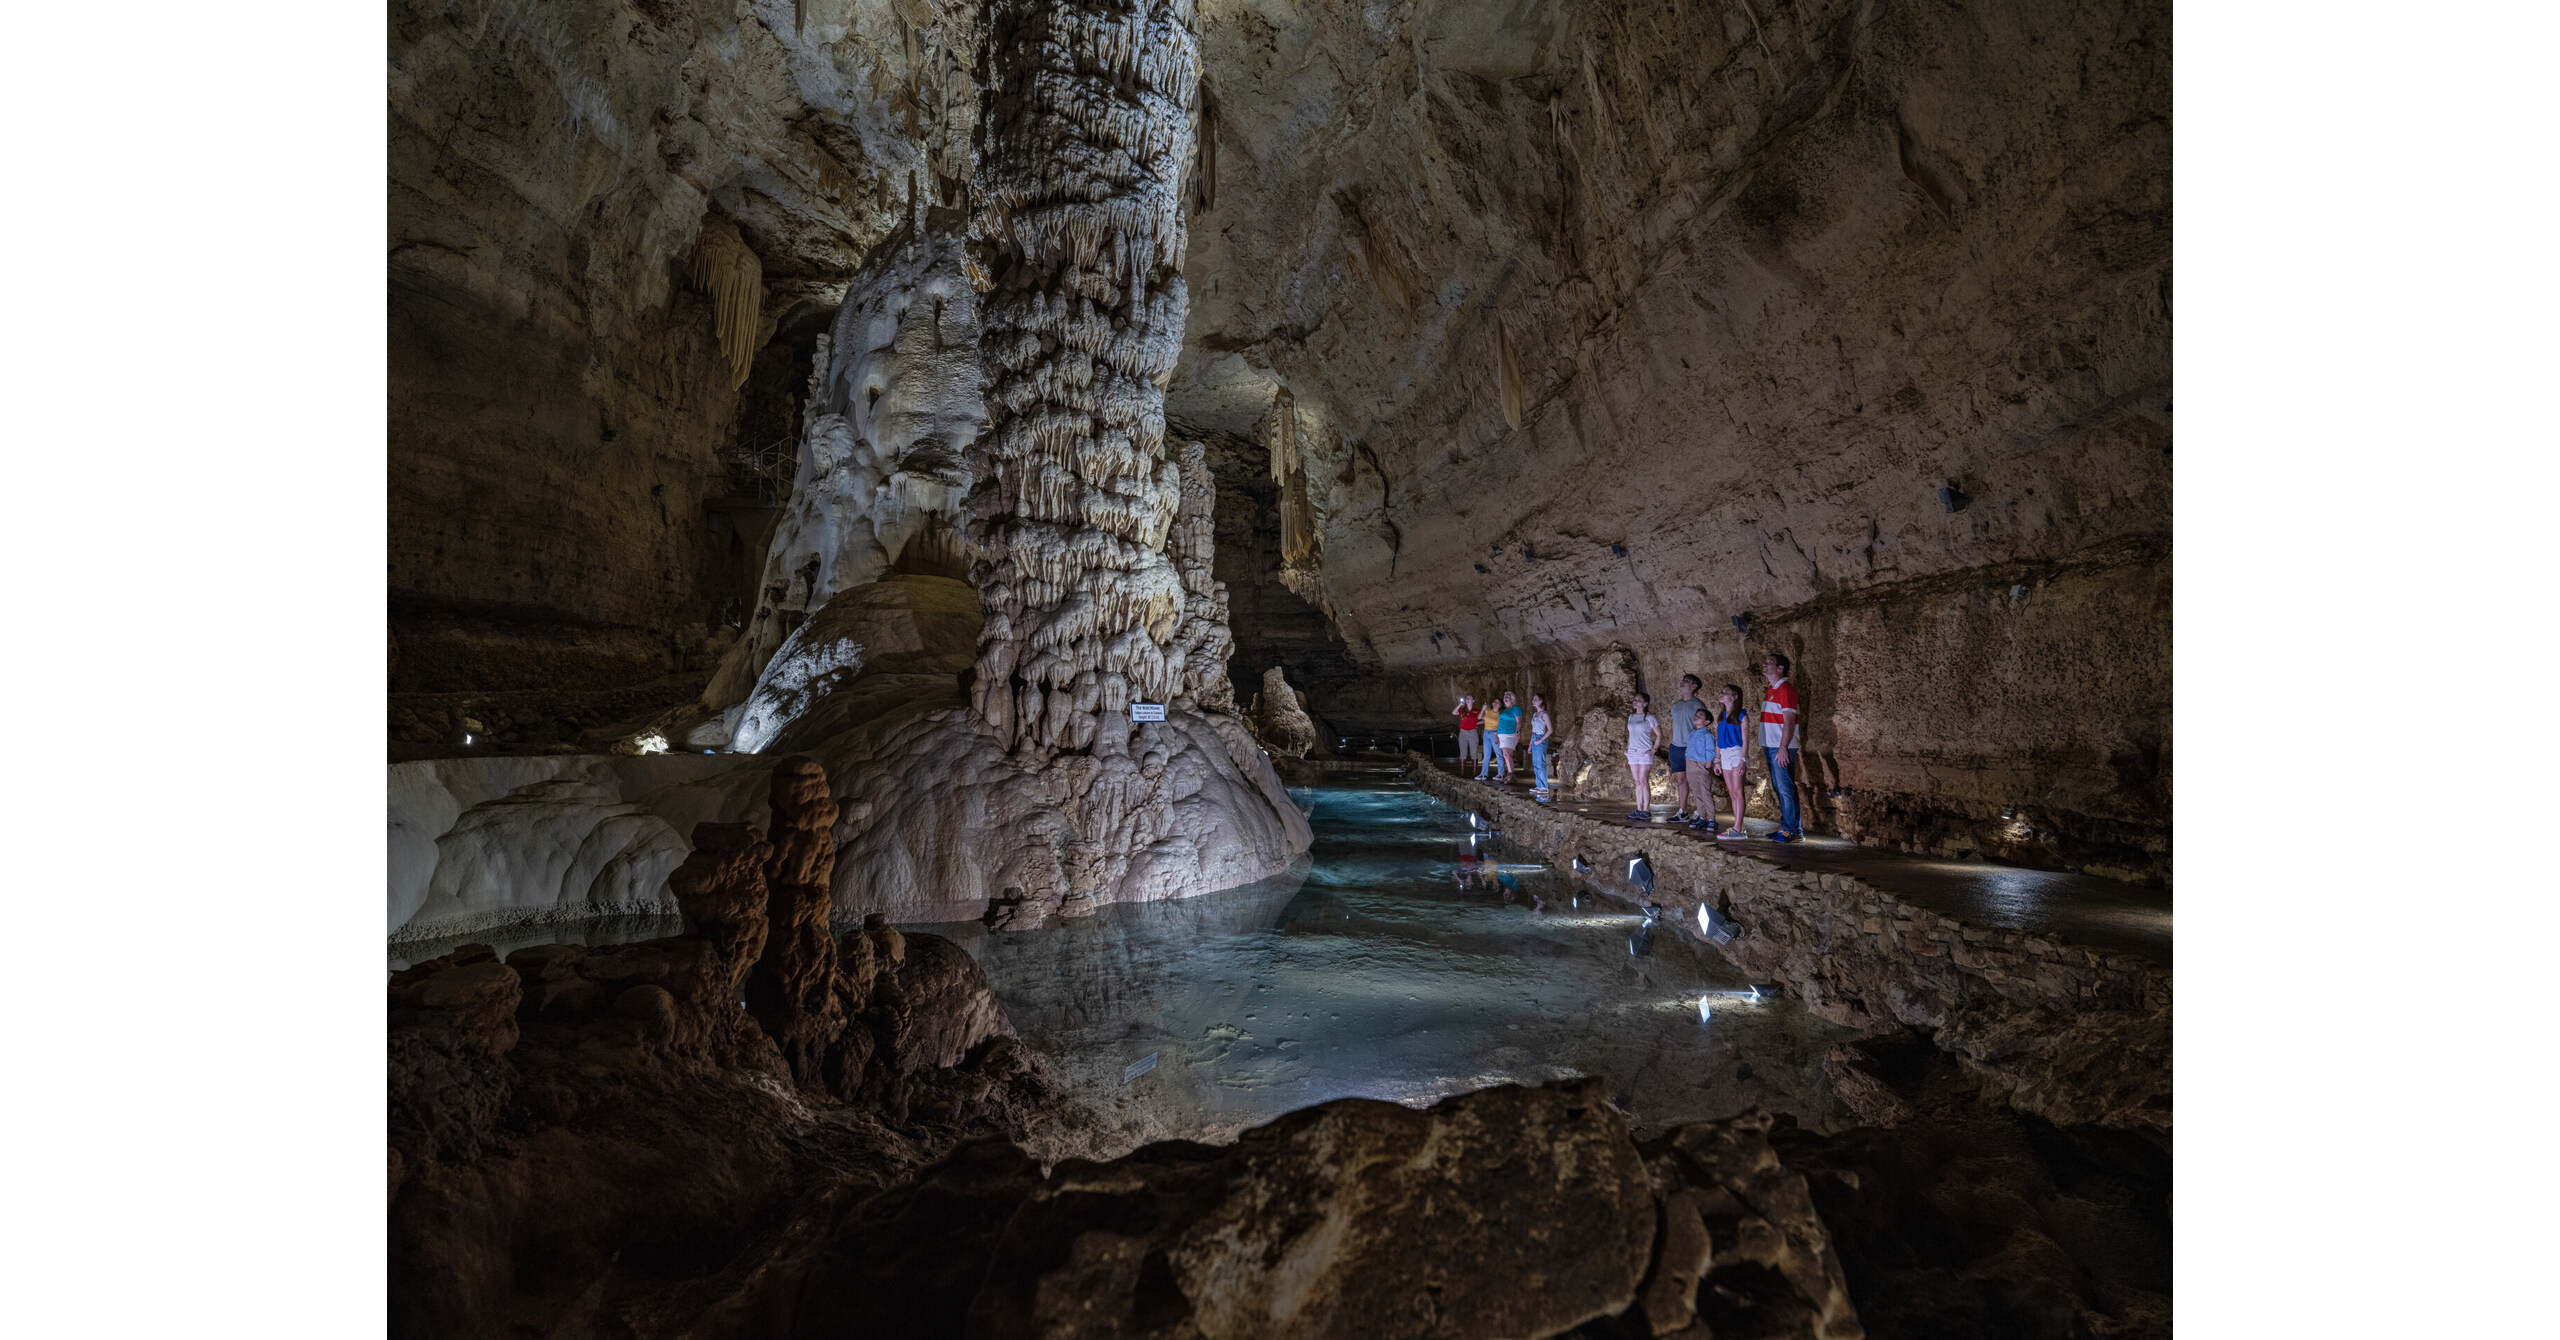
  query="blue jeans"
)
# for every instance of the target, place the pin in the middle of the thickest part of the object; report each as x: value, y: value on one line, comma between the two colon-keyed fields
x: 1785, y: 786
x: 1538, y: 759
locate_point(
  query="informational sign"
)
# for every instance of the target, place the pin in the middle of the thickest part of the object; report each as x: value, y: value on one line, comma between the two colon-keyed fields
x: 1146, y: 711
x: 1144, y: 1063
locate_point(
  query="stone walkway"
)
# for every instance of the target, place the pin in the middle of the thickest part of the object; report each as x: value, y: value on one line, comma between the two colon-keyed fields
x: 2102, y: 914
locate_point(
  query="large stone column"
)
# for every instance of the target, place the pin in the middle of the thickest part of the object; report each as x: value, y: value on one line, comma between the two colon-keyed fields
x: 1084, y: 134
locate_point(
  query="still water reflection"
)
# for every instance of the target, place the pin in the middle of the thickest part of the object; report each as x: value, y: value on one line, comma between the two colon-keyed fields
x: 1405, y: 960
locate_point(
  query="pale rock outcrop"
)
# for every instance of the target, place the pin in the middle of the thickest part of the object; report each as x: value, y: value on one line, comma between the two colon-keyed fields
x: 937, y: 822
x: 896, y: 403
x: 1279, y: 719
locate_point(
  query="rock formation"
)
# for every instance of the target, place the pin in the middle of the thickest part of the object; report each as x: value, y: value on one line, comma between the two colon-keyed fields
x: 1084, y: 135
x: 895, y: 406
x: 1279, y: 719
x: 1509, y: 1212
x: 794, y: 988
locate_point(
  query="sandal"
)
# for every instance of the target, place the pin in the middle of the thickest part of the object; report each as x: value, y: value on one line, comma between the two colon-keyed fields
x: 1733, y: 833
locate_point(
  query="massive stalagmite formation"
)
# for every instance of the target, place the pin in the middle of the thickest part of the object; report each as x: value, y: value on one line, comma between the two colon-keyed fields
x: 896, y: 403
x: 1085, y: 132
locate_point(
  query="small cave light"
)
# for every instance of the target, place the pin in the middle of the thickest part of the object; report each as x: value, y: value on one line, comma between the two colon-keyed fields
x: 1482, y: 568
x: 1702, y: 1009
x: 1618, y: 549
x: 650, y: 742
x: 1954, y: 499
x: 1742, y: 624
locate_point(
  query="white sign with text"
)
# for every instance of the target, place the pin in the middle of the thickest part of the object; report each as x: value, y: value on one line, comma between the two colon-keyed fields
x: 1146, y: 711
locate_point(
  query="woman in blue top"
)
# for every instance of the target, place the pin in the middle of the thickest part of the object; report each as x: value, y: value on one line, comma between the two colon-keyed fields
x: 1539, y: 729
x: 1509, y: 722
x: 1729, y: 752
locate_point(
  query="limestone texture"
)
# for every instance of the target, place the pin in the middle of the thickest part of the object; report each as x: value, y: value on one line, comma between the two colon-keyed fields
x: 935, y: 822
x: 563, y: 420
x: 1846, y: 320
x: 895, y: 403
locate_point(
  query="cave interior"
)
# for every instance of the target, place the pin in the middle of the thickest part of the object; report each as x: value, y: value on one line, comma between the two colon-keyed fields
x: 929, y: 540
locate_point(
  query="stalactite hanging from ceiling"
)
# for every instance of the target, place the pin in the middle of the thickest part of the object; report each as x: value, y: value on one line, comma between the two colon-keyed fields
x: 1078, y: 234
x: 1204, y: 182
x: 1289, y: 471
x: 725, y: 268
x: 1507, y: 371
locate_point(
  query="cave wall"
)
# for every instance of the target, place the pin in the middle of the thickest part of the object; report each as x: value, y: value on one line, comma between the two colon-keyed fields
x: 562, y: 420
x: 1844, y: 318
x: 1272, y: 625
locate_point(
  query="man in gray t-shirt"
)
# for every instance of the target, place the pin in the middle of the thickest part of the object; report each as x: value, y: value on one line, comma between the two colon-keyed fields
x: 1678, y: 718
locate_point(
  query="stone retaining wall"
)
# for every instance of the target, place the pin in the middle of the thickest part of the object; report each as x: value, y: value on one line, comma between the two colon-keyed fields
x: 2029, y: 1013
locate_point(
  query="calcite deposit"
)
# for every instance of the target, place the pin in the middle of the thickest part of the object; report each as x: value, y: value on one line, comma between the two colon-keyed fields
x: 1279, y: 717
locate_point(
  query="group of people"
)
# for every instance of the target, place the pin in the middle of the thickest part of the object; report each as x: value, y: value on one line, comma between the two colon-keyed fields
x: 1703, y: 741
x: 1489, y: 733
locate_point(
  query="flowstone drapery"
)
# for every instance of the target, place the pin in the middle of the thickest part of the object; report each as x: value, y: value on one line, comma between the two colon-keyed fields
x: 896, y: 402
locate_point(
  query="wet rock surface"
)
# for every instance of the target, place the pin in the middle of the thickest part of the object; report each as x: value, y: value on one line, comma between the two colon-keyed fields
x: 2049, y: 1028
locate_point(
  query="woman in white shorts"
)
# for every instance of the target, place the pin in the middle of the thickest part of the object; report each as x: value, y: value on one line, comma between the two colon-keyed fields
x: 1642, y: 729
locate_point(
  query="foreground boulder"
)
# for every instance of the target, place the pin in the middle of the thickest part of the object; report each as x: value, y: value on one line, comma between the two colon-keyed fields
x: 1505, y: 1212
x: 593, y: 1138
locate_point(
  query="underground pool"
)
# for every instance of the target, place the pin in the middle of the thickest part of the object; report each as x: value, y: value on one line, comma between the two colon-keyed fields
x: 1405, y: 959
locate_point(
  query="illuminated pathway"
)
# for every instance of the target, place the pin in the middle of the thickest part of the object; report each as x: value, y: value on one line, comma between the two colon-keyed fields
x: 2083, y: 909
x: 1375, y: 972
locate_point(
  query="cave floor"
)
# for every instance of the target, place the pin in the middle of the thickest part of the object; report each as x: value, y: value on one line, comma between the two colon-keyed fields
x: 2086, y: 910
x: 1398, y: 962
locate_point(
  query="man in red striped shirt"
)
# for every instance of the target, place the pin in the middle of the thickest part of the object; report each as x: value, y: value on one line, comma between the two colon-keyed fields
x: 1781, y: 738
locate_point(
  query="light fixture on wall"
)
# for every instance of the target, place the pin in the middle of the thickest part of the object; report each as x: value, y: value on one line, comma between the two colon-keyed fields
x: 1953, y: 498
x: 1618, y: 549
x: 1742, y: 624
x: 1482, y: 568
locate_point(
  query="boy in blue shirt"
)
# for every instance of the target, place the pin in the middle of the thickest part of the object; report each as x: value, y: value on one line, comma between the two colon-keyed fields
x: 1701, y: 751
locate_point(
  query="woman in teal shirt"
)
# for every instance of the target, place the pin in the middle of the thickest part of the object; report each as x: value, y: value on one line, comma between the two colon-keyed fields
x: 1509, y: 721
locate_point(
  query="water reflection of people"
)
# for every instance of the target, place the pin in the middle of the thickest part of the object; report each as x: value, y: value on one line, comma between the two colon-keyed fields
x: 1470, y: 865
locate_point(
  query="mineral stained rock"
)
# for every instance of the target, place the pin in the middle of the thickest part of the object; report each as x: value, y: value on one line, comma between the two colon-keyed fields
x: 793, y: 990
